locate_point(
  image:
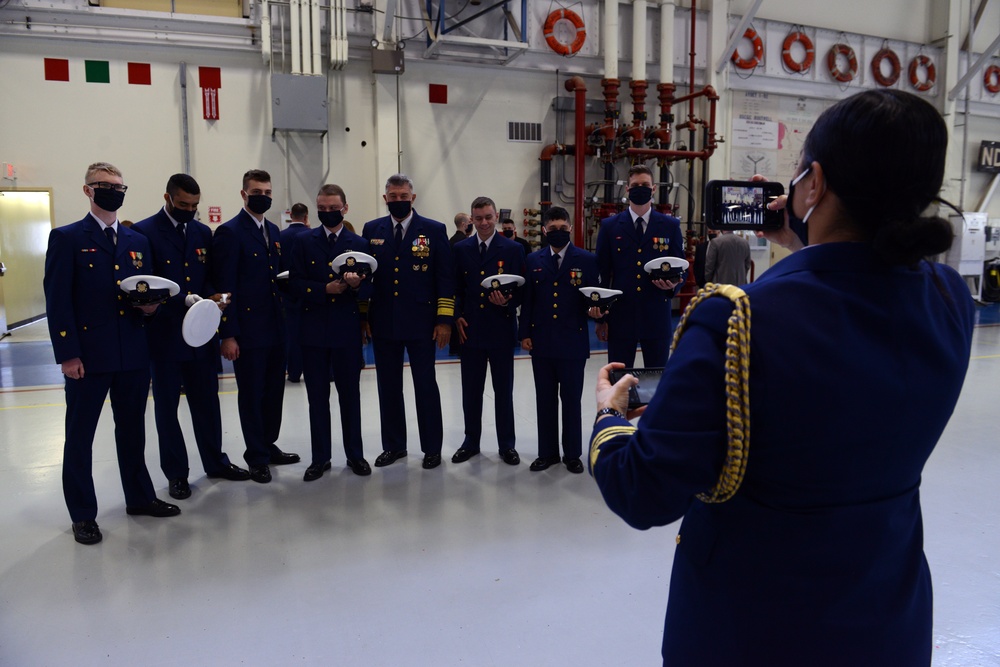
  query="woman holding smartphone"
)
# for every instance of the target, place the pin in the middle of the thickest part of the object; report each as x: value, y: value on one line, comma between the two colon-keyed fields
x: 793, y: 448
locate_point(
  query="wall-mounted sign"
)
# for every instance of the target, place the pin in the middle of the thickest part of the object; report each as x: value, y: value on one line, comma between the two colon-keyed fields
x: 989, y: 157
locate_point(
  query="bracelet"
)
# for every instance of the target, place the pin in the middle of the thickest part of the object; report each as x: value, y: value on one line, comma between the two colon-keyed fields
x: 608, y: 411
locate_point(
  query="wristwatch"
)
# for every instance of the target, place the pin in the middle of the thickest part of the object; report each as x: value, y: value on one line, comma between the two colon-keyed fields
x: 608, y: 411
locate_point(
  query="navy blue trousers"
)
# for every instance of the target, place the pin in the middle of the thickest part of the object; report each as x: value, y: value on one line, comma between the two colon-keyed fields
x: 654, y: 351
x: 260, y: 379
x: 293, y: 351
x: 392, y: 412
x: 201, y: 387
x: 84, y: 403
x: 559, y: 381
x: 501, y: 364
x: 344, y: 365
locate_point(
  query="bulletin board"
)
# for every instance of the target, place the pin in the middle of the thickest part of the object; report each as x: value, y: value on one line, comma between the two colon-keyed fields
x: 767, y: 133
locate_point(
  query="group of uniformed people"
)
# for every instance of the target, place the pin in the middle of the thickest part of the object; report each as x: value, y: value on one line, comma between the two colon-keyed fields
x: 419, y: 289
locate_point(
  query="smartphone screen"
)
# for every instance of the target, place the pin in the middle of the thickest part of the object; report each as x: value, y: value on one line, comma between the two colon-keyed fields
x: 642, y: 393
x: 743, y: 205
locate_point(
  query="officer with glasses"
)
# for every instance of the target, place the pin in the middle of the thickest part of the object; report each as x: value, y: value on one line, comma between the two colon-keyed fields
x: 100, y: 343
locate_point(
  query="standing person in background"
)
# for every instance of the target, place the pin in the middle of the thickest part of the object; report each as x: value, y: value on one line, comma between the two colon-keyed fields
x: 463, y: 228
x: 727, y: 260
x: 807, y: 549
x: 625, y: 243
x: 299, y: 224
x: 700, y: 252
x: 509, y: 231
x: 487, y: 327
x: 331, y: 333
x: 180, y: 252
x: 412, y: 308
x: 554, y: 328
x: 101, y: 346
x: 247, y: 262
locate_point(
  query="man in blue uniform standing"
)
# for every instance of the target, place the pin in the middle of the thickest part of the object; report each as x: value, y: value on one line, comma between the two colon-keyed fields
x: 330, y: 336
x: 625, y: 243
x: 299, y: 224
x: 553, y: 327
x: 487, y: 326
x: 247, y: 262
x: 100, y: 343
x: 412, y: 308
x: 180, y: 252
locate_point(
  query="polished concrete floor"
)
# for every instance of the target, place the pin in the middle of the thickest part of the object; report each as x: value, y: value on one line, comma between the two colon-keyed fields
x: 477, y: 564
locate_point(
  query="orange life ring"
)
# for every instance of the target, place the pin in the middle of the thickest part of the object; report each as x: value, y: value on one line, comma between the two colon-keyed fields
x: 915, y: 65
x: 991, y: 79
x: 550, y: 37
x: 786, y: 52
x: 844, y: 76
x: 758, y: 51
x: 885, y: 53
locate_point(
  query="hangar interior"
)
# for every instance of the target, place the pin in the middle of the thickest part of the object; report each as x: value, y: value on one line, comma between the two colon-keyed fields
x: 533, y: 104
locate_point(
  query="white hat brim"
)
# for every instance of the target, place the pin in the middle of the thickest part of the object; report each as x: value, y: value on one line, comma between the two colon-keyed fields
x: 155, y: 282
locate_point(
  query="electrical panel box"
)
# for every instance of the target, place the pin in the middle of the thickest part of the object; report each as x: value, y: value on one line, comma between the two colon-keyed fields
x: 968, y: 251
x: 993, y: 238
x: 388, y: 62
x: 299, y: 103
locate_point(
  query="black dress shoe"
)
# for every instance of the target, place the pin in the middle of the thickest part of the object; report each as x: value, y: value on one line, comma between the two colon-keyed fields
x: 542, y: 463
x: 233, y: 473
x: 510, y: 456
x: 388, y: 458
x: 260, y: 474
x: 360, y: 467
x: 432, y: 461
x: 179, y: 489
x: 315, y: 471
x: 87, y: 532
x: 575, y: 466
x: 463, y: 455
x: 280, y: 458
x: 157, y: 508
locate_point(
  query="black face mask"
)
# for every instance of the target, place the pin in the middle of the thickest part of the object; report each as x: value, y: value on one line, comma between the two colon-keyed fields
x: 509, y: 233
x: 259, y: 204
x: 399, y: 209
x: 181, y: 216
x: 640, y: 195
x: 468, y: 229
x: 558, y: 238
x: 108, y: 199
x: 331, y: 219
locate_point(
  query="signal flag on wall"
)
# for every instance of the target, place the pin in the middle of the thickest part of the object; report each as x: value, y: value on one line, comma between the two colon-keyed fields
x: 210, y: 81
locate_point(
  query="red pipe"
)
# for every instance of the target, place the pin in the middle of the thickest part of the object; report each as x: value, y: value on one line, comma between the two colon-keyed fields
x: 661, y: 135
x: 576, y: 85
x: 691, y: 55
x: 608, y: 130
x: 633, y: 135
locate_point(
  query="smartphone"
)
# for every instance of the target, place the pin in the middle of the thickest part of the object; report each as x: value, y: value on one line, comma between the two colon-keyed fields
x: 642, y: 393
x: 743, y: 205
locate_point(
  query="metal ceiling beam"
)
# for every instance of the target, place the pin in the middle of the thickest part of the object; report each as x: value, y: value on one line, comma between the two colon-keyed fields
x: 736, y: 36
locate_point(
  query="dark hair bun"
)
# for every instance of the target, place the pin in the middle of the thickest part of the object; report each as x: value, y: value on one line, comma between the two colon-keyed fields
x: 908, y: 242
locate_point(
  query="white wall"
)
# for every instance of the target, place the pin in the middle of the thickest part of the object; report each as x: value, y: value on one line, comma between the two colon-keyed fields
x: 454, y: 152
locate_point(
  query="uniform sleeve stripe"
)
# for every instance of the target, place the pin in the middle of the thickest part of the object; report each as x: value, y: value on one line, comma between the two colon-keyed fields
x: 604, y: 436
x: 446, y: 307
